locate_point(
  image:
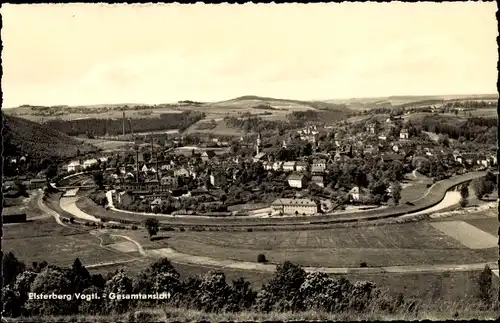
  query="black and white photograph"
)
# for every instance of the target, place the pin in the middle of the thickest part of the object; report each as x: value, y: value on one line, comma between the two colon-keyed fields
x: 249, y: 163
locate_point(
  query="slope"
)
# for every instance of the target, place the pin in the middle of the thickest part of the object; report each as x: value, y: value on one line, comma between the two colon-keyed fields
x: 24, y: 137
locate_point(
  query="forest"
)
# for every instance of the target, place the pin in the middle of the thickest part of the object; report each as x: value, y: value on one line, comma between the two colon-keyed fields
x: 113, y: 127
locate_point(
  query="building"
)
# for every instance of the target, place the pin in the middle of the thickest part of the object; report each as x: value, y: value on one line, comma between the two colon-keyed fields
x: 301, y: 166
x: 74, y: 166
x: 289, y: 166
x: 295, y: 206
x: 182, y: 172
x: 125, y: 198
x: 218, y: 179
x: 371, y: 128
x: 318, y: 166
x: 296, y: 180
x: 207, y: 155
x: 90, y: 163
x: 37, y: 183
x: 357, y: 194
x: 169, y: 181
x: 404, y: 134
x: 258, y: 144
x: 318, y: 180
x: 278, y: 165
x: 259, y: 157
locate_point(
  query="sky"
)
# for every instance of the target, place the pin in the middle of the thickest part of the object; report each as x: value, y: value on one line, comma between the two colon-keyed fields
x: 82, y: 54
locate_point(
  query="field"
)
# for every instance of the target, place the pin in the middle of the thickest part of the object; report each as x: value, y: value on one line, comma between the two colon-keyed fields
x: 415, y: 187
x: 385, y: 245
x: 107, y: 145
x: 45, y: 240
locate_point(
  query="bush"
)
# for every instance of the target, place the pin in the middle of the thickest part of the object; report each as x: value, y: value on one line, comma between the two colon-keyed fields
x: 134, y: 227
x: 249, y: 230
x: 261, y: 258
x: 72, y: 220
x: 181, y: 229
x: 363, y: 264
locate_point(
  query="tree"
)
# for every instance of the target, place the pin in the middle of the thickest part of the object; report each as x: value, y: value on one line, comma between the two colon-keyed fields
x: 51, y: 171
x: 99, y: 179
x: 11, y: 267
x: 464, y: 191
x: 396, y: 193
x: 119, y: 283
x: 482, y: 186
x: 484, y: 283
x: 152, y: 226
x: 55, y: 280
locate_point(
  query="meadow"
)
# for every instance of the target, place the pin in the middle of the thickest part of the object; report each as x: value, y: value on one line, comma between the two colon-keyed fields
x: 384, y: 245
x: 46, y: 240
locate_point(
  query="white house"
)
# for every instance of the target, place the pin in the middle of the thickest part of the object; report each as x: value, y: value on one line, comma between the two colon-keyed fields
x: 144, y: 168
x: 289, y: 166
x: 357, y: 193
x: 295, y: 206
x: 90, y: 162
x: 259, y: 157
x: 74, y: 166
x: 278, y: 165
x: 404, y: 134
x: 296, y: 180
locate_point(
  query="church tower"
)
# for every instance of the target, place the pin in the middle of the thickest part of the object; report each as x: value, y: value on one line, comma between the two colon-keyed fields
x: 258, y: 145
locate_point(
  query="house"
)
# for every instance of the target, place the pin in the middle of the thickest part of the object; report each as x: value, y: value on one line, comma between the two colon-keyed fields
x: 182, y: 172
x: 318, y: 166
x: 289, y: 166
x: 404, y: 134
x: 295, y: 206
x: 169, y: 181
x: 155, y: 203
x: 318, y: 180
x: 395, y: 148
x: 74, y: 166
x: 207, y: 155
x: 217, y: 179
x: 357, y: 194
x: 315, y: 169
x: 37, y: 183
x: 301, y: 166
x: 296, y: 180
x: 278, y: 165
x: 267, y: 165
x: 144, y: 168
x: 125, y: 198
x: 259, y: 157
x: 90, y: 163
x: 371, y: 127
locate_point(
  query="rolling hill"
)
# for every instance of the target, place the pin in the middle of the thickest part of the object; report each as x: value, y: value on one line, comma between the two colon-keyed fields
x: 24, y: 137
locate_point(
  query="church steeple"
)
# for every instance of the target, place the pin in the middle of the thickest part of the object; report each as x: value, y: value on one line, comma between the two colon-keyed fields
x: 258, y: 144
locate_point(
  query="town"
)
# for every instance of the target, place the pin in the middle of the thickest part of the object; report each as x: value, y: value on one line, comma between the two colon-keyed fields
x: 179, y: 163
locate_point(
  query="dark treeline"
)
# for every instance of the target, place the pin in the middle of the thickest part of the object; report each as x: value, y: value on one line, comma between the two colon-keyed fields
x: 471, y: 104
x: 290, y: 289
x: 479, y: 130
x: 101, y: 127
x: 294, y: 120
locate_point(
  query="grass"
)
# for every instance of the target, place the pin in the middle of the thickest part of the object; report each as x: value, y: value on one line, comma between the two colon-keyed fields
x: 46, y: 240
x: 384, y: 245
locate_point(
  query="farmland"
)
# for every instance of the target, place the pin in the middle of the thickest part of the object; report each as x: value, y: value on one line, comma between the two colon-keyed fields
x: 45, y: 240
x: 386, y: 245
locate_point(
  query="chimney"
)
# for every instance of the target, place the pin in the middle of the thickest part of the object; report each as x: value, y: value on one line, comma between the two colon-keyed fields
x: 123, y: 123
x: 137, y: 164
